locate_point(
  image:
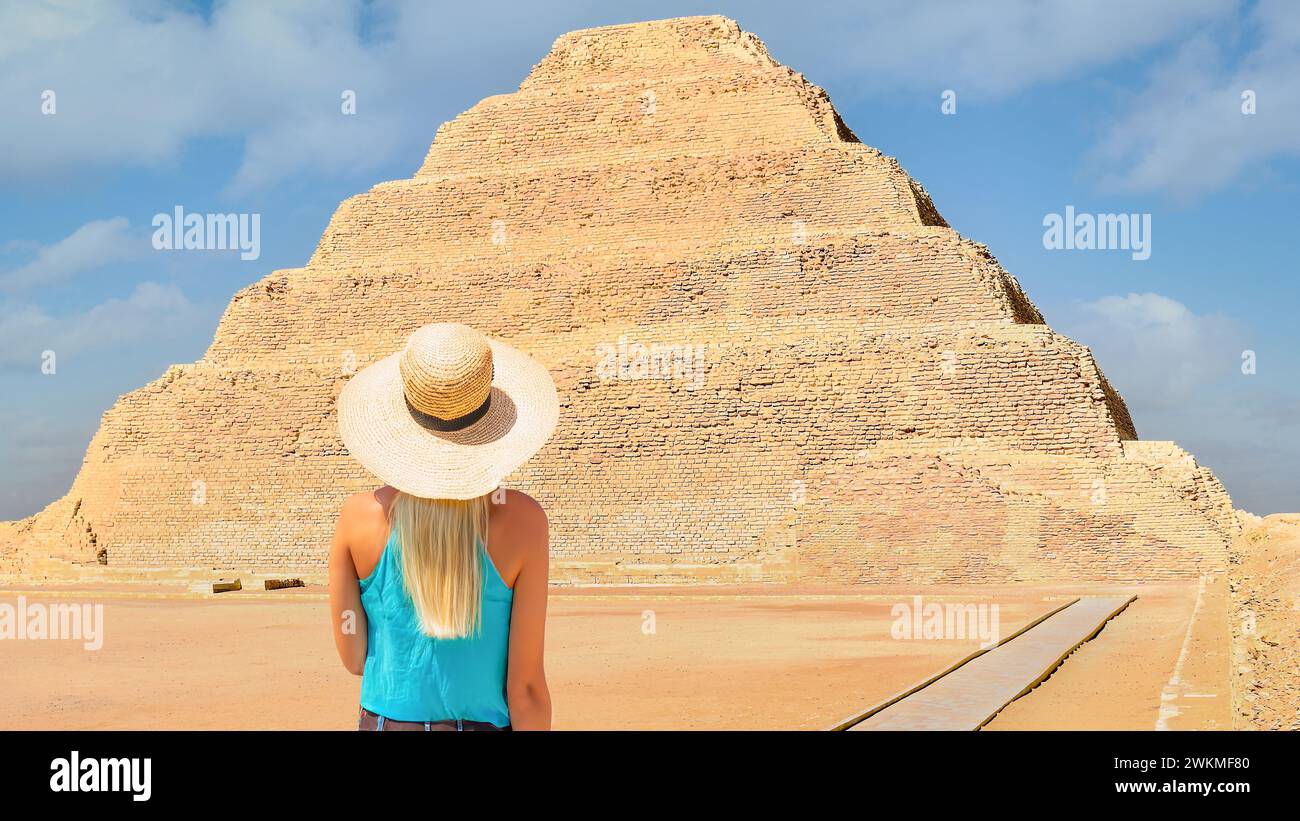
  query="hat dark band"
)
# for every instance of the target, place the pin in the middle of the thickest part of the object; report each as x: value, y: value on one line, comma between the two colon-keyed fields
x: 459, y: 423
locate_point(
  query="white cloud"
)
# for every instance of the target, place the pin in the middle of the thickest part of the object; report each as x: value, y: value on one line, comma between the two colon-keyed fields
x: 90, y: 246
x: 989, y: 48
x: 1155, y: 350
x: 1186, y: 133
x: 153, y: 316
x: 136, y: 82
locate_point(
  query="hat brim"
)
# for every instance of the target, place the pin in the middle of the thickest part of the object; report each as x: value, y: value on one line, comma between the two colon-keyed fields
x: 398, y: 445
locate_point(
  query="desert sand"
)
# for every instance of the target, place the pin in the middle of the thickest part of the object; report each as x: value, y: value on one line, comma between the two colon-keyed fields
x: 1265, y: 583
x: 1121, y: 679
x: 745, y: 658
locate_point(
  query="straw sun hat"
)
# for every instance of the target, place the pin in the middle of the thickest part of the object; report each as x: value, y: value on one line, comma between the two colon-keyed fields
x: 449, y: 415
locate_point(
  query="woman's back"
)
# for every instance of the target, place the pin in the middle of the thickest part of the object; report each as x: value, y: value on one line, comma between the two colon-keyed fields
x: 410, y: 676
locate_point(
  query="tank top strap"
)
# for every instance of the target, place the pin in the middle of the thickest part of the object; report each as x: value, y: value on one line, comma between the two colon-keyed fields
x: 382, y: 572
x: 491, y: 576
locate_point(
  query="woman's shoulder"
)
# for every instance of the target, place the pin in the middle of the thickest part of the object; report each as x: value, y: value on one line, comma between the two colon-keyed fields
x: 519, y: 505
x: 368, y: 506
x: 363, y: 522
x: 519, y: 530
x: 522, y: 514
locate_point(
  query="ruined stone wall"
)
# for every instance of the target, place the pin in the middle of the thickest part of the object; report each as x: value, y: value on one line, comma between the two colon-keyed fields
x: 855, y: 393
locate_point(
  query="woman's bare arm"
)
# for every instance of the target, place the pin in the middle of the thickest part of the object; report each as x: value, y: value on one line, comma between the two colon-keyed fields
x: 347, y: 616
x: 527, y: 696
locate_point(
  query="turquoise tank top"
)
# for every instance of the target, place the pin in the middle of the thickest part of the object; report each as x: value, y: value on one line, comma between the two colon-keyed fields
x: 409, y: 676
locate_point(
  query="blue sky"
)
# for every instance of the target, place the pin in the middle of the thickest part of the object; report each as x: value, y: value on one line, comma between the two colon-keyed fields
x: 1111, y: 107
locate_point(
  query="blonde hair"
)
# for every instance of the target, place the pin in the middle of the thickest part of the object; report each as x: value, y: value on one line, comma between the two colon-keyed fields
x: 441, y: 567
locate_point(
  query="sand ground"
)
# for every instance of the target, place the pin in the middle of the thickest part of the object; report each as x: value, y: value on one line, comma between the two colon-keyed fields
x: 658, y: 658
x: 1264, y: 579
x: 1122, y: 679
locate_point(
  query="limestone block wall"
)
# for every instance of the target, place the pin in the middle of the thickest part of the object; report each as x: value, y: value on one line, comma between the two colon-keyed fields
x: 776, y: 360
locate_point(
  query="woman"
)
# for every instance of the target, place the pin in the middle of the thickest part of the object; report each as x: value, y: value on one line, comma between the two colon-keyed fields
x: 438, y: 579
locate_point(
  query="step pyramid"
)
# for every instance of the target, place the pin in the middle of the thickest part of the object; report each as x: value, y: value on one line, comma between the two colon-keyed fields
x: 776, y: 360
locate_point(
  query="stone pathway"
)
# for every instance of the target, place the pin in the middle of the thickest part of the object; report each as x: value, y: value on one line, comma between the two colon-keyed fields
x: 969, y: 696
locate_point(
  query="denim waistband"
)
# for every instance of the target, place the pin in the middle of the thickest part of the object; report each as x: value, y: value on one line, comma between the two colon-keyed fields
x: 366, y: 720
